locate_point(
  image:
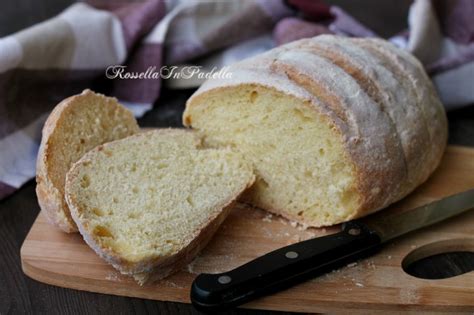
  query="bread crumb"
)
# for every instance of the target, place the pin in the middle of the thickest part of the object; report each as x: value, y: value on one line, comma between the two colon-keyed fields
x: 172, y: 284
x: 267, y: 218
x: 214, y: 264
x: 352, y: 265
x: 268, y: 233
x: 284, y: 221
x: 190, y: 266
x: 370, y: 264
x: 359, y: 284
x: 113, y: 276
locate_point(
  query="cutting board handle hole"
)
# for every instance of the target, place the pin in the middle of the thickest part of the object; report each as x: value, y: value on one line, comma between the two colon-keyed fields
x: 441, y: 260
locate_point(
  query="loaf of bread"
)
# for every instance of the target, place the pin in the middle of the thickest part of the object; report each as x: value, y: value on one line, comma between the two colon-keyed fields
x: 336, y: 127
x: 148, y: 203
x: 75, y: 126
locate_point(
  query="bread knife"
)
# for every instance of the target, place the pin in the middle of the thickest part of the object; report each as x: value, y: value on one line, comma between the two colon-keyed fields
x: 295, y: 263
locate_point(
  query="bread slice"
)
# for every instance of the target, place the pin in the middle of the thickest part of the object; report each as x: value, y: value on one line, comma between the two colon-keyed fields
x: 75, y: 126
x: 148, y: 203
x: 335, y: 127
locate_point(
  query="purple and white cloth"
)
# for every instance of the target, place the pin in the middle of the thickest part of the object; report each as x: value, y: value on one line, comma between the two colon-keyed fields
x: 90, y: 42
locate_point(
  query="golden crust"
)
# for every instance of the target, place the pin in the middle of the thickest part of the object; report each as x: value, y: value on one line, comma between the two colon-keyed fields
x: 383, y: 173
x: 432, y: 115
x: 156, y: 271
x: 49, y: 190
x: 50, y: 199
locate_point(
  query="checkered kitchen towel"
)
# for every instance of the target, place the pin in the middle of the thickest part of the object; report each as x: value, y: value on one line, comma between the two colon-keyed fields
x: 43, y: 64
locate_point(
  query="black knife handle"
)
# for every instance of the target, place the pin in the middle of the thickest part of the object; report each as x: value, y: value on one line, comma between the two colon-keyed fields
x: 283, y: 268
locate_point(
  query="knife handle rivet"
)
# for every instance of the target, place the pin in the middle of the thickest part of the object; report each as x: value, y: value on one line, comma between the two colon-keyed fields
x: 354, y: 231
x: 291, y: 255
x: 224, y: 279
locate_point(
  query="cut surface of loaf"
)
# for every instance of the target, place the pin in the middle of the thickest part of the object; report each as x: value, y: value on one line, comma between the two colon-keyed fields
x: 75, y: 126
x: 336, y: 128
x: 148, y: 203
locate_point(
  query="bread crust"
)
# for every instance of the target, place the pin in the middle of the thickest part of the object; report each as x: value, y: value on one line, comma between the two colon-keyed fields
x: 431, y: 109
x: 50, y: 195
x: 177, y: 262
x: 390, y: 157
x: 152, y: 268
x: 50, y: 199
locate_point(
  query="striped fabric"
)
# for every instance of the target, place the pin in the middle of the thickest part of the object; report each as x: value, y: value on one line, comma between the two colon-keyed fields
x: 50, y: 61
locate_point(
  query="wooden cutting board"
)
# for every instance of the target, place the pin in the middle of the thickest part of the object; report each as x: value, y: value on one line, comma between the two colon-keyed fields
x: 377, y: 283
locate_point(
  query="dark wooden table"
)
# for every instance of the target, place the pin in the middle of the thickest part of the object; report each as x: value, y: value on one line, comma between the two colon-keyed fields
x: 20, y: 294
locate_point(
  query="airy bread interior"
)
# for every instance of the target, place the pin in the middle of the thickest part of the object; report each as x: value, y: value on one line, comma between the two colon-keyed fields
x: 87, y: 124
x: 300, y: 162
x: 77, y: 125
x: 141, y: 200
